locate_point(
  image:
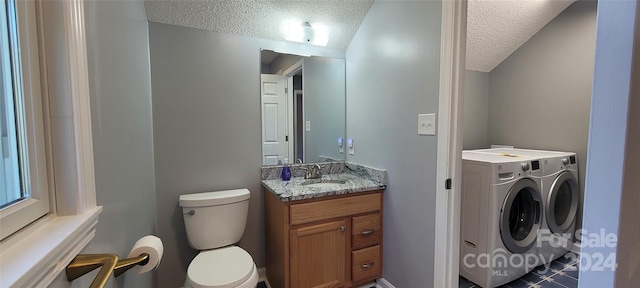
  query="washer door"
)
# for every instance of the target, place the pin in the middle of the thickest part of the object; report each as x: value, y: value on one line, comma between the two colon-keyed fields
x: 562, y: 203
x: 520, y: 216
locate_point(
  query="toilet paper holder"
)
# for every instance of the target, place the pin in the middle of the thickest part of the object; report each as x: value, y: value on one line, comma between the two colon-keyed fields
x: 85, y: 263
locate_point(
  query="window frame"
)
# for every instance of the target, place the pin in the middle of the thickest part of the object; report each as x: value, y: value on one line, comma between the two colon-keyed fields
x: 26, y: 83
x: 38, y: 254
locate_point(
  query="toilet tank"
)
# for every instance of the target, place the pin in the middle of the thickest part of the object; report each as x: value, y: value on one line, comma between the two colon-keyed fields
x: 215, y: 219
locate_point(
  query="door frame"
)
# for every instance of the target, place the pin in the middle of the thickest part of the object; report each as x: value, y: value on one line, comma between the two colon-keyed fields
x: 609, y: 80
x: 289, y: 73
x: 449, y: 163
x: 295, y: 126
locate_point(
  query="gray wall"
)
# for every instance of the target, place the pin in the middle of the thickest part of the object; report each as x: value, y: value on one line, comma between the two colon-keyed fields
x: 540, y: 95
x: 324, y: 105
x: 120, y: 87
x: 393, y: 67
x: 282, y: 63
x: 475, y: 110
x: 610, y: 125
x: 206, y: 108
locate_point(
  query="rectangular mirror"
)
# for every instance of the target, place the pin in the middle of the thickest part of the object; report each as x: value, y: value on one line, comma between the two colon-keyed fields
x: 303, y: 108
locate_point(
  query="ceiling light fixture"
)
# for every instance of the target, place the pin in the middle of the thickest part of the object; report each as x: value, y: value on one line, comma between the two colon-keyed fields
x: 308, y: 35
x: 305, y: 33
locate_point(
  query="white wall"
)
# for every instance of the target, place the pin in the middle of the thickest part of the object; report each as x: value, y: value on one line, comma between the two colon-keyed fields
x: 206, y: 121
x: 120, y: 87
x: 393, y: 66
x: 475, y: 110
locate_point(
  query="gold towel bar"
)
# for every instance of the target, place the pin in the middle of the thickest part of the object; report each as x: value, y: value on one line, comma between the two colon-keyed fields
x: 126, y: 264
x: 84, y: 264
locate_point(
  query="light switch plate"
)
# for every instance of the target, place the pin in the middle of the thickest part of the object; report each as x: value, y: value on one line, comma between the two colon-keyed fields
x: 427, y: 124
x: 307, y: 125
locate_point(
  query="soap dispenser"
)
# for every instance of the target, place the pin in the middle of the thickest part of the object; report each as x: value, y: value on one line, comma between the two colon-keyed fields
x: 286, y: 171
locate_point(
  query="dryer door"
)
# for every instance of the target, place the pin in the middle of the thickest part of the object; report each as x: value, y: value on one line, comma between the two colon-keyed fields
x: 520, y: 216
x: 562, y: 203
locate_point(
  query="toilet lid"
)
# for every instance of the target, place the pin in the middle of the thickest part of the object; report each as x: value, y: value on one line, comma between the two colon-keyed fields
x: 224, y: 267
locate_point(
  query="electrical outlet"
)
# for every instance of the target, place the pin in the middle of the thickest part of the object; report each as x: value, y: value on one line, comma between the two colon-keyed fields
x: 350, y: 146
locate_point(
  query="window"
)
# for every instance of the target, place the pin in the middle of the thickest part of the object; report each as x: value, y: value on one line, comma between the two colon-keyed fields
x: 24, y: 193
x: 11, y: 188
x: 48, y: 74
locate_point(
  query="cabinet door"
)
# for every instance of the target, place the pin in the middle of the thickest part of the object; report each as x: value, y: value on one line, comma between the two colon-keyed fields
x: 318, y: 255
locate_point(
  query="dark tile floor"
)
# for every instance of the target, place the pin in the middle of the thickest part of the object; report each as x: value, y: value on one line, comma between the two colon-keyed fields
x: 562, y: 273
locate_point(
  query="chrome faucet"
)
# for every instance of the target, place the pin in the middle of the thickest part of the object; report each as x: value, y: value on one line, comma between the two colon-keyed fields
x: 299, y: 161
x: 313, y: 172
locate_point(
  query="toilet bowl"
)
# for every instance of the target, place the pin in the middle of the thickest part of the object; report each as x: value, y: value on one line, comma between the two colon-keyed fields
x: 214, y: 221
x: 232, y: 265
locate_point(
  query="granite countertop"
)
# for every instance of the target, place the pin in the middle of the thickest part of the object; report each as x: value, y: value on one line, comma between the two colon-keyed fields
x: 353, y: 179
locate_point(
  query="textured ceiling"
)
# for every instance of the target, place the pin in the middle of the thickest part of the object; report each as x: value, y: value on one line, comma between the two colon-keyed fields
x: 497, y: 28
x: 263, y: 18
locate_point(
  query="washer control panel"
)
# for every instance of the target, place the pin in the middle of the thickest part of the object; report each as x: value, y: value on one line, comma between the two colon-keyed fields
x: 535, y: 165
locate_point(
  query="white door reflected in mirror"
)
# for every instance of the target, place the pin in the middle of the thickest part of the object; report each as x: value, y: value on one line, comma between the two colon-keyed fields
x: 274, y: 118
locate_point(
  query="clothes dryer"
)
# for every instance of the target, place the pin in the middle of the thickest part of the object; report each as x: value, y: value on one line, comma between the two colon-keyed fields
x: 501, y: 217
x: 561, y: 196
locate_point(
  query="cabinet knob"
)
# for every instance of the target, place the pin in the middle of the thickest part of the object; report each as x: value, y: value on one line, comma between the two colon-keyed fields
x: 367, y: 232
x: 367, y: 265
x: 343, y: 228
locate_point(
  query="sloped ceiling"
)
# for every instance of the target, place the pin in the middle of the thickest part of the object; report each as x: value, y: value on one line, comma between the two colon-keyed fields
x: 495, y: 28
x: 263, y: 18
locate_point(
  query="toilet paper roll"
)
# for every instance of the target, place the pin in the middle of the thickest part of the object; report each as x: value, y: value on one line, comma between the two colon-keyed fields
x: 151, y: 245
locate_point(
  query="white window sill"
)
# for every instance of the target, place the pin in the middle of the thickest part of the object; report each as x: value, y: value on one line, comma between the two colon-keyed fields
x: 35, y: 256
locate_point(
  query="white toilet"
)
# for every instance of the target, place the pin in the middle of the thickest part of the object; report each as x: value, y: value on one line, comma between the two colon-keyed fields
x: 214, y: 222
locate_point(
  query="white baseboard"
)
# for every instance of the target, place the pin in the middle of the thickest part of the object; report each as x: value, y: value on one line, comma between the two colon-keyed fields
x: 368, y: 285
x: 380, y: 283
x: 262, y: 276
x: 383, y: 283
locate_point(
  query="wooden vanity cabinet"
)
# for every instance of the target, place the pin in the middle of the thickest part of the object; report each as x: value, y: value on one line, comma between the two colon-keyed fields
x: 331, y: 241
x: 319, y: 245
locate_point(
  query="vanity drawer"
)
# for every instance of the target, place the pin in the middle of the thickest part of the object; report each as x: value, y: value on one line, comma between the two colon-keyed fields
x: 366, y: 231
x: 366, y: 264
x: 334, y: 208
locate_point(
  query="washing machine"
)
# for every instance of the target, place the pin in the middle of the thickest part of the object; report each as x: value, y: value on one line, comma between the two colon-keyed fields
x: 561, y: 196
x: 501, y: 217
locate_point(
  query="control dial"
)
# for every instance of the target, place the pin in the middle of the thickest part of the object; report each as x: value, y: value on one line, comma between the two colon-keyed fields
x: 525, y: 166
x: 565, y: 161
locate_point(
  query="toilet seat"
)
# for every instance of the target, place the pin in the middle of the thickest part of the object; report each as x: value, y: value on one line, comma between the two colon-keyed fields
x: 222, y: 268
